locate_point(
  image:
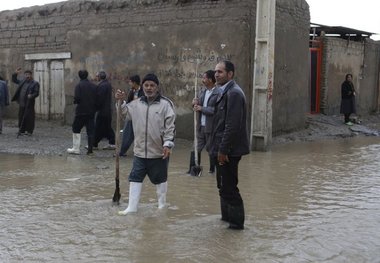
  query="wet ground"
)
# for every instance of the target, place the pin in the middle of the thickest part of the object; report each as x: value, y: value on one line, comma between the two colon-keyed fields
x: 305, y: 202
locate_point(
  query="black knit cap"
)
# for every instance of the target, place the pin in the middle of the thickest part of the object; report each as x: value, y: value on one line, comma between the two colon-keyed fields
x: 151, y: 77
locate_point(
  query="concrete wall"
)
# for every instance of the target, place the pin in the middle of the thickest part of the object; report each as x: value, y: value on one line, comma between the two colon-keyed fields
x: 290, y: 96
x: 361, y: 59
x: 128, y: 37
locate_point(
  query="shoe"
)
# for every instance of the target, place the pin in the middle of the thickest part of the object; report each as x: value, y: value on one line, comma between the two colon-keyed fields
x: 210, y: 171
x: 93, y: 147
x: 109, y: 147
x: 349, y: 123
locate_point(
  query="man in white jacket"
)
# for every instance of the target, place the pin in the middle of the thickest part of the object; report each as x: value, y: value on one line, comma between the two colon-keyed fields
x: 153, y: 120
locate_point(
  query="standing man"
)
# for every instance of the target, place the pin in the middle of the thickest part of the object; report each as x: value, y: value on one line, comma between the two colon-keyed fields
x: 26, y: 93
x: 103, y: 120
x: 85, y: 98
x: 134, y: 93
x: 4, y: 100
x: 228, y: 142
x: 204, y: 106
x: 153, y: 119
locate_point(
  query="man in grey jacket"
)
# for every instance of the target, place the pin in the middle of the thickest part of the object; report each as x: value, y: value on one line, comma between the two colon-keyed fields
x: 229, y: 142
x: 153, y: 120
x: 204, y: 105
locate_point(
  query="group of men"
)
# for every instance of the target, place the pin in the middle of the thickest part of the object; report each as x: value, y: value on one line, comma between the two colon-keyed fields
x: 222, y: 129
x: 93, y: 111
x: 150, y: 124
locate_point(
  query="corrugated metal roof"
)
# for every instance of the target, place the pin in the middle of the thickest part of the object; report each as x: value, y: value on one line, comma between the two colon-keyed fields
x: 338, y: 31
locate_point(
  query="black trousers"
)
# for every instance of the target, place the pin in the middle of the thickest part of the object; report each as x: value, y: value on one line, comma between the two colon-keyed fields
x: 84, y: 120
x: 103, y: 129
x: 227, y: 181
x: 26, y: 119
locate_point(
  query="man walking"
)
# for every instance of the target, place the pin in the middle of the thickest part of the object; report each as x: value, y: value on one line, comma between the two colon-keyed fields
x: 103, y: 120
x: 204, y: 106
x: 228, y: 142
x: 4, y: 100
x: 85, y: 98
x: 26, y: 93
x: 153, y: 119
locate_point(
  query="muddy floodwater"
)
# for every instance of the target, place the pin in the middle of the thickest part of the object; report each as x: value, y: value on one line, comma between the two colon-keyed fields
x: 309, y: 202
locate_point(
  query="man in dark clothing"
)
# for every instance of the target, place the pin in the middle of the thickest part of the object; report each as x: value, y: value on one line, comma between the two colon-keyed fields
x: 103, y: 120
x: 228, y: 142
x: 4, y: 100
x: 85, y: 98
x: 26, y: 93
x: 128, y: 136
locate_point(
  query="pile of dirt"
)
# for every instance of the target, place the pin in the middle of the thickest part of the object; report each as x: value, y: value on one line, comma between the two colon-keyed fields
x: 322, y: 127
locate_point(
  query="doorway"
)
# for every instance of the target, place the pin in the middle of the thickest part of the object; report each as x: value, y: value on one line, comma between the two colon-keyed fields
x: 50, y: 104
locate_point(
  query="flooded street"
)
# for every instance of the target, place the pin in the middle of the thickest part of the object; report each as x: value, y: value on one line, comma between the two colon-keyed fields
x: 307, y: 202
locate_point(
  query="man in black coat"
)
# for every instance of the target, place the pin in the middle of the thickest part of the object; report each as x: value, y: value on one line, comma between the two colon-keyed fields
x: 85, y: 98
x: 103, y: 120
x: 26, y: 93
x: 229, y: 142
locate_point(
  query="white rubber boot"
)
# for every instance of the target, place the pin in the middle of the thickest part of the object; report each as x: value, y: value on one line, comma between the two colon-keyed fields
x: 76, y: 144
x: 161, y: 190
x: 134, y: 198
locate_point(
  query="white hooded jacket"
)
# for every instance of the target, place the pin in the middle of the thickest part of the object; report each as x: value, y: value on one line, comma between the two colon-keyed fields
x: 153, y: 125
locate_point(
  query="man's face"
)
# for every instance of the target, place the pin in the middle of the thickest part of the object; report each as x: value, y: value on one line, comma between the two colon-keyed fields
x: 221, y: 75
x: 150, y: 89
x: 28, y: 76
x: 206, y: 81
x: 133, y: 84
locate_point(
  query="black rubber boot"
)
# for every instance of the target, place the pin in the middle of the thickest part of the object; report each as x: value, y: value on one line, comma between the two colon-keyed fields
x: 192, y: 161
x: 90, y: 142
x: 236, y: 216
x: 212, y: 164
x: 224, y: 210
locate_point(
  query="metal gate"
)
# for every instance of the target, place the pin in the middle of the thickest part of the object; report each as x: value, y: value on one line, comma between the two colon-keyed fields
x: 50, y: 104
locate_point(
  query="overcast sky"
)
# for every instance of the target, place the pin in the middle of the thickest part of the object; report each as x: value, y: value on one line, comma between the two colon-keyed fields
x: 358, y: 14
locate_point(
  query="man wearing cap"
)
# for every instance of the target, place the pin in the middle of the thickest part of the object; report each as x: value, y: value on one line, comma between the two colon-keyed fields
x: 153, y: 120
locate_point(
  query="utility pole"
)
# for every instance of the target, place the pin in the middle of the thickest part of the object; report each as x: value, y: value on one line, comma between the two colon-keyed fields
x: 261, y: 122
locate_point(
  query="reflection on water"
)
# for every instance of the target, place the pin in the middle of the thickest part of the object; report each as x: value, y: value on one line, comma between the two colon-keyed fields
x: 314, y: 202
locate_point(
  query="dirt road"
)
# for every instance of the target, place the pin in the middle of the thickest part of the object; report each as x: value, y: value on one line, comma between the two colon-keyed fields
x: 52, y: 138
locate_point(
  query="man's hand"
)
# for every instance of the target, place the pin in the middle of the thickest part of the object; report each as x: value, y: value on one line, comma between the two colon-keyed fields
x: 166, y: 152
x: 18, y: 70
x: 197, y: 108
x: 195, y: 101
x: 222, y: 158
x: 120, y: 95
